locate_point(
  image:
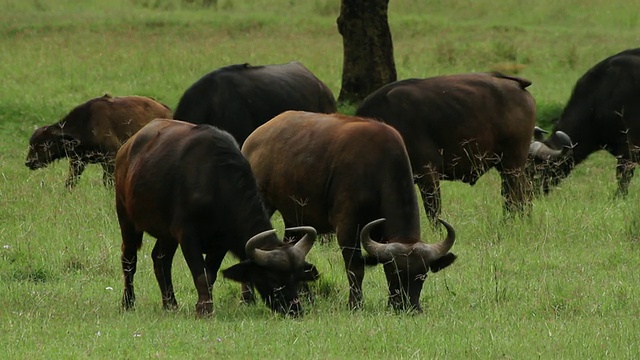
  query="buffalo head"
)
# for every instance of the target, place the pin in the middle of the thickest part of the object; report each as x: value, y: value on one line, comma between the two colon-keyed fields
x: 550, y: 160
x: 276, y: 273
x: 407, y: 264
x: 47, y: 144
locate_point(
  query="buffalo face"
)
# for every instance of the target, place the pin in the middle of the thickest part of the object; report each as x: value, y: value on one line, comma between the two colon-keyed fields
x: 406, y: 264
x: 550, y: 161
x: 48, y: 144
x: 276, y: 273
x: 277, y: 288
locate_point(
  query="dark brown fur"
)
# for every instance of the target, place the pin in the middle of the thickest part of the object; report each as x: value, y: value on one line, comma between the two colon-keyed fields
x: 190, y: 186
x: 458, y: 127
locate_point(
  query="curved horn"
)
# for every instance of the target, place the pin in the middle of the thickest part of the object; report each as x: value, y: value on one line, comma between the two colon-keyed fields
x: 443, y: 247
x: 565, y: 140
x: 383, y: 252
x: 303, y: 246
x: 371, y: 246
x: 540, y: 150
x: 386, y: 252
x: 543, y: 151
x: 264, y: 257
x: 538, y: 133
x: 278, y: 258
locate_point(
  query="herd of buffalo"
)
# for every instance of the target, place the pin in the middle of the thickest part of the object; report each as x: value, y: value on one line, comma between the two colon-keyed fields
x: 247, y: 141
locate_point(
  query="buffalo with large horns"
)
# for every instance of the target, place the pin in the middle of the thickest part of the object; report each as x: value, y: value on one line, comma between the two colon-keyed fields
x: 603, y: 112
x: 190, y: 186
x: 344, y: 174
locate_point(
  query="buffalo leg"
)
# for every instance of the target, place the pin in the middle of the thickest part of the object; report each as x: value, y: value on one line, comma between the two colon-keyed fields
x: 430, y: 192
x: 162, y: 255
x: 624, y: 172
x: 516, y: 190
x: 131, y: 241
x: 354, y: 264
x: 76, y: 168
x: 512, y: 191
x: 203, y: 278
x: 212, y: 262
x: 247, y: 294
x: 108, y: 169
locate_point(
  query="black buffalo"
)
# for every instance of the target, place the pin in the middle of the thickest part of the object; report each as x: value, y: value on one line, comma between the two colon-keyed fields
x: 190, y: 186
x: 340, y: 173
x: 92, y: 133
x: 457, y: 127
x: 603, y: 112
x: 239, y: 98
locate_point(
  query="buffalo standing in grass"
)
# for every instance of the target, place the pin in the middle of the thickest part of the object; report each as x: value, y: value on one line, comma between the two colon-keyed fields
x: 457, y: 128
x: 342, y: 174
x: 190, y: 186
x: 603, y: 112
x: 92, y: 133
x: 239, y: 98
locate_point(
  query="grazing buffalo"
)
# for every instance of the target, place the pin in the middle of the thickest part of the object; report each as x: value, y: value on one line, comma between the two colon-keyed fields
x: 603, y: 112
x: 92, y: 133
x: 340, y: 173
x: 189, y: 185
x: 458, y: 127
x: 239, y: 98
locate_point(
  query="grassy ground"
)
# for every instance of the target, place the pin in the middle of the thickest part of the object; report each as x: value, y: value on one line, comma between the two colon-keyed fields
x: 562, y: 284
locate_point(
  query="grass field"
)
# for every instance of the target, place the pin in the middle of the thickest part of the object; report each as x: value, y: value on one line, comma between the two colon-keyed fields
x: 561, y: 284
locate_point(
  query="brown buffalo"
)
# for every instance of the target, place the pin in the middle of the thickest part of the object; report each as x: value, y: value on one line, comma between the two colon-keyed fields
x: 458, y: 127
x: 340, y: 173
x: 190, y: 186
x: 92, y: 134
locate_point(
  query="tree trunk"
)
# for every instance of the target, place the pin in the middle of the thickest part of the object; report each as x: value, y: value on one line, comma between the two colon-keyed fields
x: 368, y: 49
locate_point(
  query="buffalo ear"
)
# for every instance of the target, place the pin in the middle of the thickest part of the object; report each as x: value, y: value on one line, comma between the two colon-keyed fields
x: 309, y: 272
x: 239, y: 272
x: 443, y: 262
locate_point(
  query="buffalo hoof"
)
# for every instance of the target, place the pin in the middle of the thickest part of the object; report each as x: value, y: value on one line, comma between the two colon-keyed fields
x: 204, y: 309
x: 128, y: 302
x: 170, y: 304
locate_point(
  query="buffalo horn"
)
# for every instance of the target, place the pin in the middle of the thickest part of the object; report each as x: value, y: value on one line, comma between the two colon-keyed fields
x: 431, y: 252
x: 564, y: 139
x: 538, y: 133
x: 387, y: 252
x: 262, y: 257
x: 303, y: 246
x: 278, y: 258
x: 540, y: 150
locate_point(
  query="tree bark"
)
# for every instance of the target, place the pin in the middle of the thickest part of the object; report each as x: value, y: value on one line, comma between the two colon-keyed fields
x: 368, y: 50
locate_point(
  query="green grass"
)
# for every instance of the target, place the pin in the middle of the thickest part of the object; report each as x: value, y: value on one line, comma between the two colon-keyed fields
x: 562, y: 284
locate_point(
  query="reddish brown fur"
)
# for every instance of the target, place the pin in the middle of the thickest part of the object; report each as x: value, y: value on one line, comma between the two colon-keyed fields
x: 92, y: 133
x: 338, y: 173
